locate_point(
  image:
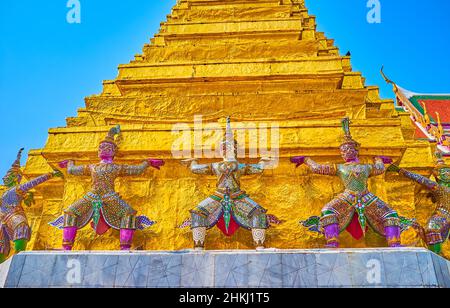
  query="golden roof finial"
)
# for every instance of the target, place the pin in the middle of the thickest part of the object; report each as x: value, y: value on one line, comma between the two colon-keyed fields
x: 388, y: 80
x: 440, y: 127
x: 446, y: 142
x: 426, y: 117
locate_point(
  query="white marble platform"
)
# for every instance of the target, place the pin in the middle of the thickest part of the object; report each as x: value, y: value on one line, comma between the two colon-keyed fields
x: 403, y: 267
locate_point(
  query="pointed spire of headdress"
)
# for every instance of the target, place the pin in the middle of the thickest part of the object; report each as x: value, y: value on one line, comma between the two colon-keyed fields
x: 440, y: 164
x: 14, y: 171
x: 347, y: 134
x: 229, y: 142
x: 229, y: 136
x: 111, y: 135
x: 439, y: 158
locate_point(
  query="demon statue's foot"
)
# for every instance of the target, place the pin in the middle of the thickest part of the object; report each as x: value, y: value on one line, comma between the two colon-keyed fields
x: 259, y: 237
x: 20, y: 245
x: 199, y: 236
x: 393, y: 236
x: 69, y: 235
x: 126, y: 238
x: 2, y: 258
x: 332, y: 245
x: 395, y: 245
x: 332, y: 236
x: 436, y: 248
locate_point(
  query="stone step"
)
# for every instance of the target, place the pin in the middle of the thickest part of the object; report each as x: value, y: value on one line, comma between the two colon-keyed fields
x: 396, y: 268
x: 233, y: 13
x: 231, y: 3
x: 235, y: 69
x: 238, y: 50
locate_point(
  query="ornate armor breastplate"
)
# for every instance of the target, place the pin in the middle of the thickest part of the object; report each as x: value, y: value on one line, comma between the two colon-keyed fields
x: 354, y: 177
x: 103, y: 176
x: 228, y: 173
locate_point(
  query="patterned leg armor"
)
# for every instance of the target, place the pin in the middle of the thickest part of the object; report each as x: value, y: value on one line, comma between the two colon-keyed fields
x: 127, y: 229
x: 384, y: 220
x: 436, y: 232
x: 126, y: 238
x: 69, y: 235
x: 330, y: 225
x: 259, y: 237
x: 199, y: 223
x: 199, y: 235
x: 433, y: 238
x: 4, y: 245
x: 392, y: 230
x: 21, y: 231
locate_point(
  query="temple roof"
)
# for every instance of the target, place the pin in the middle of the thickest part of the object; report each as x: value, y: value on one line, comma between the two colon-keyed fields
x: 435, y: 103
x: 430, y: 113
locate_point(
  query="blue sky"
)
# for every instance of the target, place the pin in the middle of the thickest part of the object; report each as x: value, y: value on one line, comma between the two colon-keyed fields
x: 48, y: 66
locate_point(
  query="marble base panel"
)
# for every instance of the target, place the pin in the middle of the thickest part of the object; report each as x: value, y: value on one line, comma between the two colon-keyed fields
x: 271, y: 268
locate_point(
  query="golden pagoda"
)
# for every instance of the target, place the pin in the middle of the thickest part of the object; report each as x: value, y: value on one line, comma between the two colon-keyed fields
x: 257, y: 61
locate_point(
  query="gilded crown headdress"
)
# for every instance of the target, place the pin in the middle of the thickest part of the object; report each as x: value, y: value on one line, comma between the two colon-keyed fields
x: 110, y: 137
x: 440, y: 162
x: 347, y: 134
x: 14, y: 171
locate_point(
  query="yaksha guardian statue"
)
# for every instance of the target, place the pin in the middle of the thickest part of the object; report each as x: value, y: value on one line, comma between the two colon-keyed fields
x: 356, y: 208
x: 437, y: 229
x: 229, y: 207
x: 13, y: 221
x: 102, y: 205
